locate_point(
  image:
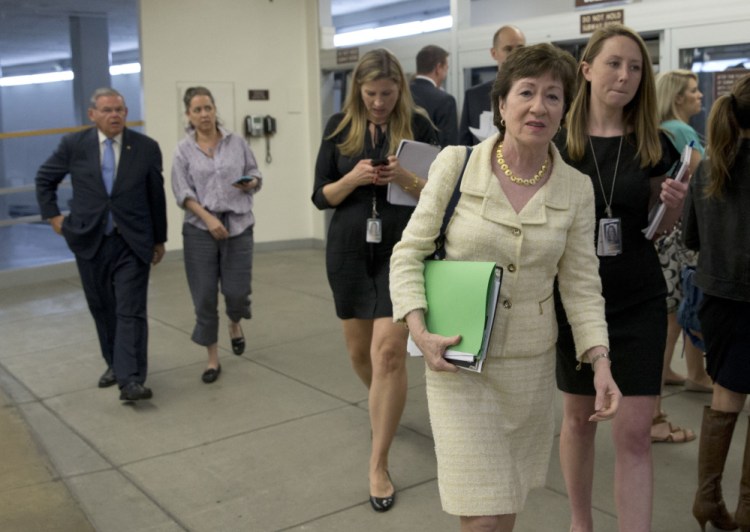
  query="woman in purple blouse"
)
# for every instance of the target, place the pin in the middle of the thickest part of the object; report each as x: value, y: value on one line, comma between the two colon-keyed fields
x: 214, y: 179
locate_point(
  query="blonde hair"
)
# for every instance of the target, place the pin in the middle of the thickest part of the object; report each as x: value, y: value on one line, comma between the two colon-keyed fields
x: 669, y: 86
x: 729, y: 115
x: 376, y: 65
x: 639, y: 113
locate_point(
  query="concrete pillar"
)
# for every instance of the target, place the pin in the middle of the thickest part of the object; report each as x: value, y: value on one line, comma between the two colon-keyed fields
x: 3, y: 171
x: 89, y: 45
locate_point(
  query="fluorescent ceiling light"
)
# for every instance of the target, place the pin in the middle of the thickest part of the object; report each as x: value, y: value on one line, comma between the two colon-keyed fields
x: 352, y: 38
x: 33, y: 79
x: 127, y: 68
x: 719, y: 65
x: 65, y: 75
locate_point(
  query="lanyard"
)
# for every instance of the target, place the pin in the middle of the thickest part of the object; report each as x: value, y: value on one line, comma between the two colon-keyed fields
x: 607, y: 202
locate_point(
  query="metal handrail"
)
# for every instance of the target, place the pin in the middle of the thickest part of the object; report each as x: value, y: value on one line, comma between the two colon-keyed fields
x: 28, y: 188
x: 57, y: 131
x: 32, y: 188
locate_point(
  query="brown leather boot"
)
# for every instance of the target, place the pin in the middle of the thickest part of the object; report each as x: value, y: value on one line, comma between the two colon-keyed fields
x: 716, y: 435
x: 743, y: 504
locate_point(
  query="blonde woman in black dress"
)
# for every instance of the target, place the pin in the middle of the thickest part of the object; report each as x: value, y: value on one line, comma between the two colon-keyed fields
x: 355, y: 164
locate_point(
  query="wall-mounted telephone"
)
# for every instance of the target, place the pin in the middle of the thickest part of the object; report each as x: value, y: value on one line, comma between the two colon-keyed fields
x: 261, y: 126
x: 257, y: 125
x: 254, y: 126
x: 269, y: 125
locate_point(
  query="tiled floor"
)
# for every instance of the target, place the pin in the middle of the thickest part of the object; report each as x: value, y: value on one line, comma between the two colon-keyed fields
x: 280, y: 441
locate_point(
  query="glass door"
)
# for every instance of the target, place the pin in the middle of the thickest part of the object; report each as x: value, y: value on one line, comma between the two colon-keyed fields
x: 718, y: 53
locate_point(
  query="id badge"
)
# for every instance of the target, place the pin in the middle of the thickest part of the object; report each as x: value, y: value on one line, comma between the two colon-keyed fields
x: 610, y: 237
x: 374, y: 231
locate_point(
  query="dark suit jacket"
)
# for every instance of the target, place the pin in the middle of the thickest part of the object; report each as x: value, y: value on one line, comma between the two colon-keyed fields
x: 476, y: 100
x: 441, y: 107
x: 137, y: 202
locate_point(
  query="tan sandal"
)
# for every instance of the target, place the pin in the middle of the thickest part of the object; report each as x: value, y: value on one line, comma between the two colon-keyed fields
x: 674, y: 433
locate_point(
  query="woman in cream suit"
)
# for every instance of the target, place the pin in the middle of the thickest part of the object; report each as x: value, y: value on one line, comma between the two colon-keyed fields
x: 522, y: 207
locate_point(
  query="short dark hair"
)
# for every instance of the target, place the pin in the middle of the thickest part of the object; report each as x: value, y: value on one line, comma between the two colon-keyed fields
x: 532, y: 62
x: 430, y: 57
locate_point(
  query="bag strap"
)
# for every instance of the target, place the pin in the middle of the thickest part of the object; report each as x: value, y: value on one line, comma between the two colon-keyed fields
x: 439, y: 253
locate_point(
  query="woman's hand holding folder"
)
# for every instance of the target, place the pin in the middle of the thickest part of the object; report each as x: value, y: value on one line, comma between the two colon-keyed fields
x: 433, y: 346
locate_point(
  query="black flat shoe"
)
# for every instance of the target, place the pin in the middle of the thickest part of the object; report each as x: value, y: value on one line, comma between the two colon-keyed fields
x: 107, y: 379
x: 211, y: 374
x: 133, y: 391
x: 383, y: 504
x: 238, y: 344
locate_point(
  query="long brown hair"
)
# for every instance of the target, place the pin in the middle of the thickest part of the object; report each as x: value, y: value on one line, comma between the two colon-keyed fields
x: 729, y: 115
x: 639, y: 113
x: 375, y: 65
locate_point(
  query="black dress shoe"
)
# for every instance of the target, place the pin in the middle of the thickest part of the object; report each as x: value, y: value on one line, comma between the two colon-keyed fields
x: 211, y: 374
x: 107, y: 379
x: 133, y: 391
x: 383, y: 504
x: 238, y: 345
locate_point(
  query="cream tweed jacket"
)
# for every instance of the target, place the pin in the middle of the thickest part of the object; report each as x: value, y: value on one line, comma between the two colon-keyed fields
x: 553, y: 235
x: 493, y: 431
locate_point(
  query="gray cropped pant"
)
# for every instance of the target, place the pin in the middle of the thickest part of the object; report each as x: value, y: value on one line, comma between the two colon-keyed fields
x: 211, y: 265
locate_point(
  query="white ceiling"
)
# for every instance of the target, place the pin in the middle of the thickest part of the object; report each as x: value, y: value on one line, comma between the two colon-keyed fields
x: 35, y: 31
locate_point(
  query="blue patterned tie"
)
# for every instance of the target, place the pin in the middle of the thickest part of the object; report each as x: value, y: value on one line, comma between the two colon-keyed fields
x: 108, y: 175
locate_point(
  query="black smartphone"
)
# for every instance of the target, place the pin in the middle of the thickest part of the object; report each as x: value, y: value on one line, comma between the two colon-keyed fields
x: 243, y: 180
x: 380, y: 162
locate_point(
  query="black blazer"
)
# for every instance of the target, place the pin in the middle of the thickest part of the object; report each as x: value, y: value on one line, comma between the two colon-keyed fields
x: 137, y: 202
x: 476, y: 100
x: 441, y: 107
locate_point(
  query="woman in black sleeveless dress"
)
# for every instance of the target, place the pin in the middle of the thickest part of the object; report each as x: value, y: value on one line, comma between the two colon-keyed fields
x: 613, y: 136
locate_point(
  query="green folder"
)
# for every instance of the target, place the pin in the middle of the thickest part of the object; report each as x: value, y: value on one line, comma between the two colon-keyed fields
x: 461, y: 299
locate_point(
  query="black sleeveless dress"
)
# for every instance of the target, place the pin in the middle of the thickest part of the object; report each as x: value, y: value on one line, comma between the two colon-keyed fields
x: 632, y: 283
x: 358, y: 271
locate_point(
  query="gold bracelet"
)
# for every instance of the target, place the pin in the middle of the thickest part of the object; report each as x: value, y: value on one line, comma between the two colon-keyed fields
x: 597, y: 357
x: 414, y: 184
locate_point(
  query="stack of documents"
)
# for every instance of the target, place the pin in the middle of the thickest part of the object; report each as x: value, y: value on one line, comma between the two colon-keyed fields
x: 416, y: 157
x: 486, y: 127
x: 461, y: 300
x: 657, y: 212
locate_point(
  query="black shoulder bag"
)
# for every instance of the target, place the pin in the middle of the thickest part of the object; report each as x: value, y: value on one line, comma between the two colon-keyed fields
x: 439, y: 253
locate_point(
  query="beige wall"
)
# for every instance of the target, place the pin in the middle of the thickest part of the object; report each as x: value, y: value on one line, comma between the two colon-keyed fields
x: 238, y: 45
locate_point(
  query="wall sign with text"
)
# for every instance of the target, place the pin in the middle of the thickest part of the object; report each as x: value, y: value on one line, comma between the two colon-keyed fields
x: 590, y: 22
x: 347, y: 55
x: 257, y: 94
x: 723, y: 81
x: 601, y: 3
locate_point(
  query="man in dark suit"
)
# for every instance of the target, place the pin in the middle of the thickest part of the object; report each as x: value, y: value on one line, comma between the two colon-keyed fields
x: 477, y: 99
x: 116, y: 228
x: 432, y: 69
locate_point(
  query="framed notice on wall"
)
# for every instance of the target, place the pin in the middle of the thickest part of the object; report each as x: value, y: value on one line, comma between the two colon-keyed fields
x: 590, y: 22
x: 723, y: 81
x: 601, y: 3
